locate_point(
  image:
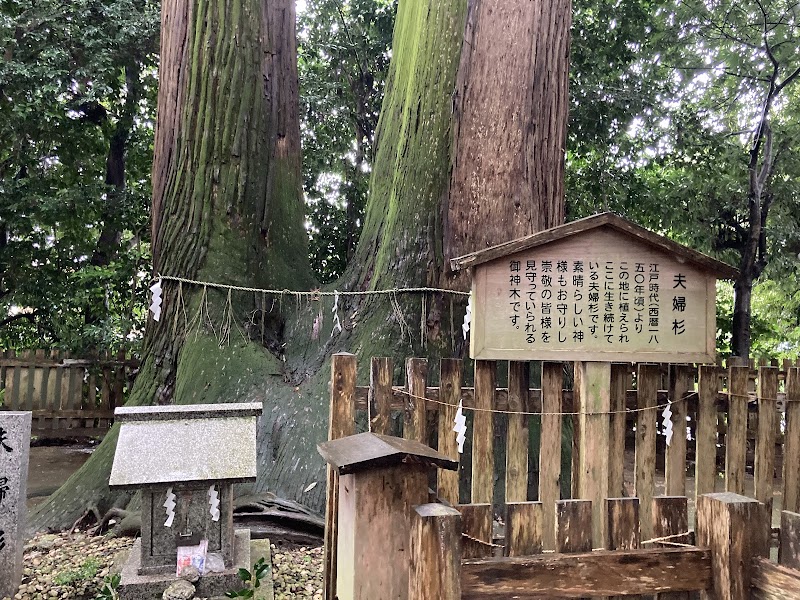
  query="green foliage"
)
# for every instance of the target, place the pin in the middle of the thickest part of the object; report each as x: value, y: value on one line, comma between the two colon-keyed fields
x: 251, y: 579
x: 77, y: 100
x: 343, y: 51
x: 110, y: 588
x: 86, y: 572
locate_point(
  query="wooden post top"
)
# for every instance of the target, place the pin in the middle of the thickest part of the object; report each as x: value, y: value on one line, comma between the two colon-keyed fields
x: 367, y: 451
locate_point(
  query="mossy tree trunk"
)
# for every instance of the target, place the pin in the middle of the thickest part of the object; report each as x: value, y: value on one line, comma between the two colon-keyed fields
x: 227, y: 207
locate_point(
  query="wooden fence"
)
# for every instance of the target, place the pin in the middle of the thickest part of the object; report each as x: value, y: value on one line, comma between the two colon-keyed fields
x: 730, y: 560
x: 747, y: 416
x: 69, y: 396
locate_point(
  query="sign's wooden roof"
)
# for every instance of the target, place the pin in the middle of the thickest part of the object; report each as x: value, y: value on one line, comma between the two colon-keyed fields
x: 703, y: 262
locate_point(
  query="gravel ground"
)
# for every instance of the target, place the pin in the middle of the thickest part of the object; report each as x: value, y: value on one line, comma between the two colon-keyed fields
x: 297, y: 573
x: 65, y: 567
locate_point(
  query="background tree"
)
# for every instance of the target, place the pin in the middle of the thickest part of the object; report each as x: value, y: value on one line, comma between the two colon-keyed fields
x: 76, y: 81
x: 343, y: 52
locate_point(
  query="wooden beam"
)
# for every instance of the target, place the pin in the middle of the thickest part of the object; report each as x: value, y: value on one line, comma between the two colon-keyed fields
x: 476, y: 527
x: 574, y: 526
x: 774, y: 582
x: 599, y: 573
x: 620, y: 381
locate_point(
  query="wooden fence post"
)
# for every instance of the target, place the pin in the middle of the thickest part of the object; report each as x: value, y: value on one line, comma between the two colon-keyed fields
x: 733, y: 528
x: 574, y: 526
x: 517, y: 433
x: 789, y: 548
x: 483, y: 432
x: 450, y: 394
x: 550, y: 448
x: 620, y: 379
x: 523, y: 528
x: 380, y: 395
x: 764, y: 467
x: 415, y: 417
x: 592, y: 384
x: 435, y: 547
x: 791, y: 448
x: 680, y: 382
x: 736, y: 438
x: 476, y: 524
x: 341, y: 424
x: 706, y: 430
x: 647, y: 381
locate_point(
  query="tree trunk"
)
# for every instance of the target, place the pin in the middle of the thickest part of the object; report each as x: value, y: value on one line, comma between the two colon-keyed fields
x: 221, y: 214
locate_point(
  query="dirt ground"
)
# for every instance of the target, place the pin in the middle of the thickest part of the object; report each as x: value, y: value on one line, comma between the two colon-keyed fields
x: 51, y: 466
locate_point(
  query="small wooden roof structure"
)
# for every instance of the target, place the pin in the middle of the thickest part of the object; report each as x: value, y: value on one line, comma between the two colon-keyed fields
x: 195, y: 443
x: 367, y: 451
x: 610, y: 220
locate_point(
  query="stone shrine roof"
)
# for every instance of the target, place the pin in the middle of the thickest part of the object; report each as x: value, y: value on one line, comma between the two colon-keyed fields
x: 185, y: 444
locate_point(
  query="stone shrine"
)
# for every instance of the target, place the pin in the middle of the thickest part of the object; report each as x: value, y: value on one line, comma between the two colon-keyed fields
x: 185, y: 460
x: 15, y: 438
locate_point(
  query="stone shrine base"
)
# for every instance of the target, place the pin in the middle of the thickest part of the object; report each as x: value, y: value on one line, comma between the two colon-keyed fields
x: 151, y: 587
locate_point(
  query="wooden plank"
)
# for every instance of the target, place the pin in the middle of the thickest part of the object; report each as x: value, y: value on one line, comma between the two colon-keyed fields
x: 12, y: 360
x: 97, y: 413
x: 38, y: 389
x: 341, y: 424
x: 380, y: 395
x: 435, y: 548
x: 76, y: 393
x: 524, y: 521
x: 592, y: 384
x: 483, y: 433
x: 73, y: 432
x: 736, y: 438
x: 623, y: 523
x: 789, y: 540
x: 599, y: 573
x: 680, y: 382
x: 450, y: 375
x: 517, y: 434
x: 620, y: 380
x: 414, y: 417
x: 764, y: 466
x: 550, y: 449
x: 644, y: 476
x: 476, y: 527
x: 733, y: 528
x: 791, y: 447
x: 574, y: 526
x: 706, y: 430
x: 53, y: 384
x: 774, y: 582
x: 25, y: 386
x: 11, y: 386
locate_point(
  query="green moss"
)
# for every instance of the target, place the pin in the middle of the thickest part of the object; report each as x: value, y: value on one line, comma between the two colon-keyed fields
x: 210, y: 373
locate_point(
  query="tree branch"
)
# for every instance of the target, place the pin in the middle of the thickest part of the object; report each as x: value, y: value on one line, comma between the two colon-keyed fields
x: 31, y: 316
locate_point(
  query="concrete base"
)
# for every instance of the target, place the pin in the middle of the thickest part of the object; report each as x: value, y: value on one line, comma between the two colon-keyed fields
x: 151, y: 587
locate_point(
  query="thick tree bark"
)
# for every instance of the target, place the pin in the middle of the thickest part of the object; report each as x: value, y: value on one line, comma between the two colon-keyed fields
x: 226, y: 209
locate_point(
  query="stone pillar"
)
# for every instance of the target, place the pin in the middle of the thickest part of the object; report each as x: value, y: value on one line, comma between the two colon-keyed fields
x: 15, y: 440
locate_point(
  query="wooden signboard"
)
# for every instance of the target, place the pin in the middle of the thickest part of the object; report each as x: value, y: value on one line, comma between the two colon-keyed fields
x: 598, y: 289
